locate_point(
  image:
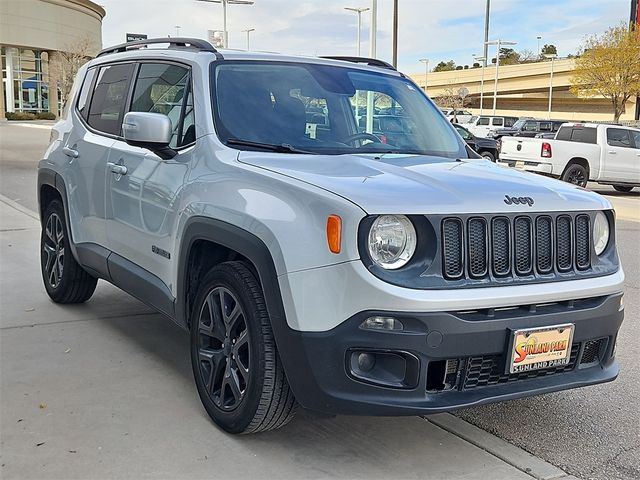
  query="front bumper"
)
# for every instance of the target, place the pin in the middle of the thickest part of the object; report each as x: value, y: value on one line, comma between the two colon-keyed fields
x: 319, y: 371
x: 527, y: 165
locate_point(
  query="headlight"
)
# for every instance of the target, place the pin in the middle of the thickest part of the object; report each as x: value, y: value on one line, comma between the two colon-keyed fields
x: 600, y: 233
x: 392, y: 241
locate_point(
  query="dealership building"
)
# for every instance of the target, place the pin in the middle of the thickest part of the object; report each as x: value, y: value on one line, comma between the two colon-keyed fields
x: 32, y: 33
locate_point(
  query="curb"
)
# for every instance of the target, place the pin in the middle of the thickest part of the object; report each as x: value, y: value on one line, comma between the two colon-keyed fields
x: 514, y: 456
x: 20, y: 208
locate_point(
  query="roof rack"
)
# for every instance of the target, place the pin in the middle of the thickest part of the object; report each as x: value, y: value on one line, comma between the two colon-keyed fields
x: 175, y: 42
x: 372, y: 62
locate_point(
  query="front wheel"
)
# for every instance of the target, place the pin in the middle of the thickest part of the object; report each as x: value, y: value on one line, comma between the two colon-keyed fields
x: 623, y: 188
x: 576, y: 174
x: 488, y: 156
x: 235, y: 362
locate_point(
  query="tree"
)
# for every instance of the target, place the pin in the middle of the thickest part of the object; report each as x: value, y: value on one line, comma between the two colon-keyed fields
x: 527, y: 56
x: 508, y: 56
x: 445, y: 66
x: 549, y: 49
x: 65, y: 64
x: 609, y: 65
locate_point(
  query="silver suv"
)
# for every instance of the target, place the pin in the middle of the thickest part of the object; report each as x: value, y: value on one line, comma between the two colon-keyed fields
x: 314, y: 262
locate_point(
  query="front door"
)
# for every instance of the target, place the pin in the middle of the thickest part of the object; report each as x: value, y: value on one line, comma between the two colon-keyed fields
x: 142, y: 187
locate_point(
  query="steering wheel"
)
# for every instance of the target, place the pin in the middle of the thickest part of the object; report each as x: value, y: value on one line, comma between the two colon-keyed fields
x: 362, y: 136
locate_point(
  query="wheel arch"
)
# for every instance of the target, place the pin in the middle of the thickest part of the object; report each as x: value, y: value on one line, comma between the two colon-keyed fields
x: 580, y: 161
x: 207, y: 242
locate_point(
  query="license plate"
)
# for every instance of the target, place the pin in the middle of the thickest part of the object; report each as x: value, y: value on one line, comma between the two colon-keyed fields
x: 520, y: 164
x: 536, y: 348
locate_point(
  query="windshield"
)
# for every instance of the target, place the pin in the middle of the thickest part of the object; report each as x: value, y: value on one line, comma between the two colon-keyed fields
x: 519, y: 124
x: 311, y: 108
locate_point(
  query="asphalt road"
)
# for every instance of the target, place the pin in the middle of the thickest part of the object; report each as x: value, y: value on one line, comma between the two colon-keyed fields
x: 592, y: 432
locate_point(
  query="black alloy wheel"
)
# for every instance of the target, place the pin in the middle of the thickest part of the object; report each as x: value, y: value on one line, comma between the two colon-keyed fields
x: 576, y: 174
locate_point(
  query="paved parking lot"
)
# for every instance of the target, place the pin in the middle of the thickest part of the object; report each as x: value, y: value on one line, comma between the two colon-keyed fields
x: 104, y: 390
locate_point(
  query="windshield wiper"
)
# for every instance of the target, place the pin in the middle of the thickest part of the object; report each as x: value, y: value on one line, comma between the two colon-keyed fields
x: 271, y: 147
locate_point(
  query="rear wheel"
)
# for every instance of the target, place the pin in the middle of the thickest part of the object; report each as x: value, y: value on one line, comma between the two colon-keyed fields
x: 623, y: 188
x: 576, y: 174
x: 235, y: 362
x: 64, y: 279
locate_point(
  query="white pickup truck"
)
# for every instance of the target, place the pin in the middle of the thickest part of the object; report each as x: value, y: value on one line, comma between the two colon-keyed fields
x: 580, y: 152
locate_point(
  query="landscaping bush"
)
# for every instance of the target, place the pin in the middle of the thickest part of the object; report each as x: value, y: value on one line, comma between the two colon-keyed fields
x: 46, y: 116
x: 19, y: 116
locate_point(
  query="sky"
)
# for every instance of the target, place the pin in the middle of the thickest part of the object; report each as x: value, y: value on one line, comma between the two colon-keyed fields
x: 433, y: 29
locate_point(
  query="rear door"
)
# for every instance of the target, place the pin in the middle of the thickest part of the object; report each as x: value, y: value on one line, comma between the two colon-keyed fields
x: 621, y: 161
x: 140, y: 207
x: 97, y: 120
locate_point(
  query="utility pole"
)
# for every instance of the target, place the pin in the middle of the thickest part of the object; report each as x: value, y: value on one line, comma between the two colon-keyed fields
x: 395, y: 34
x: 539, y: 52
x: 486, y: 33
x: 359, y: 11
x: 426, y: 71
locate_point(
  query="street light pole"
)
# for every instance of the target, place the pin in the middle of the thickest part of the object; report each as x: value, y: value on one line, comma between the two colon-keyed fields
x: 372, y: 54
x: 394, y: 62
x: 225, y: 34
x: 178, y: 27
x: 359, y: 11
x: 426, y: 72
x: 248, y: 32
x: 486, y: 32
x: 552, y: 56
x: 498, y: 43
x: 539, y: 38
x: 484, y: 60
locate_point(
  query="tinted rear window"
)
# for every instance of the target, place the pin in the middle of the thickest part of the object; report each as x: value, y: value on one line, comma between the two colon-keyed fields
x: 109, y: 98
x: 577, y: 134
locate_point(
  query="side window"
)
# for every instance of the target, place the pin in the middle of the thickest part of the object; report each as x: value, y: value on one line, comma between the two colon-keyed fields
x: 545, y: 126
x: 84, y: 97
x: 510, y: 121
x: 584, y: 135
x: 530, y: 127
x: 636, y: 138
x: 109, y: 98
x: 498, y: 122
x: 483, y: 121
x: 463, y: 133
x: 618, y: 137
x: 164, y: 88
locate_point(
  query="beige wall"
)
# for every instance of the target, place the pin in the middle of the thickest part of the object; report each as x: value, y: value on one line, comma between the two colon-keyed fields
x: 523, y: 90
x: 49, y: 24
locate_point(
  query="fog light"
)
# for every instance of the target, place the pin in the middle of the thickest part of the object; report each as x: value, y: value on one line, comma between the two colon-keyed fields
x: 382, y: 323
x: 366, y: 361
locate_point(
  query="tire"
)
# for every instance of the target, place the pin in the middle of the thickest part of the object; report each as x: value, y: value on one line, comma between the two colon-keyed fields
x: 623, y: 188
x: 64, y: 279
x: 488, y: 155
x: 236, y: 366
x: 575, y: 174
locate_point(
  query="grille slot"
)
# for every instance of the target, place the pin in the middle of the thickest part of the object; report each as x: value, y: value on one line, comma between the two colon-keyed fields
x: 452, y: 242
x: 501, y: 246
x: 563, y: 243
x: 592, y: 351
x: 477, y: 245
x: 489, y: 370
x: 522, y: 245
x: 544, y: 245
x: 583, y: 242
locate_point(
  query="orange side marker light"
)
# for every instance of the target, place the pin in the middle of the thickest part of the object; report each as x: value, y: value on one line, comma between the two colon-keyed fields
x: 334, y: 233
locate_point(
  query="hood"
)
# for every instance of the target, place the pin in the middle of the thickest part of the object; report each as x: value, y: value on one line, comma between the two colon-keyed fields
x: 422, y: 185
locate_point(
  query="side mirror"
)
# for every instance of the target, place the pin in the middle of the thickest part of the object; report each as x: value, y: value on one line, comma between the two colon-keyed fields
x: 149, y: 130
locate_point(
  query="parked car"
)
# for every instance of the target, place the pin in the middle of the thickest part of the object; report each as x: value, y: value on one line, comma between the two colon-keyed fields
x: 527, y: 128
x: 607, y: 154
x: 484, y: 124
x: 457, y: 116
x: 321, y: 266
x: 485, y: 147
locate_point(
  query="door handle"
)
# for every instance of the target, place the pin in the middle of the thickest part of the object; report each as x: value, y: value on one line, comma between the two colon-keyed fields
x: 70, y: 152
x: 611, y: 152
x: 117, y: 169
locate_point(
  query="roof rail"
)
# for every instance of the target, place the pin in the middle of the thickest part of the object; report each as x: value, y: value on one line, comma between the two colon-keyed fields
x: 373, y: 62
x: 174, y: 42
